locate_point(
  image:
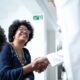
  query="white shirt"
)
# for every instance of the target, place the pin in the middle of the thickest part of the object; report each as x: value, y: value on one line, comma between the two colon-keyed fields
x: 68, y: 16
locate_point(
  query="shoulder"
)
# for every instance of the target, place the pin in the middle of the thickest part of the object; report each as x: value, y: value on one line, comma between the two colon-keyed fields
x: 26, y: 52
x: 5, y: 53
x: 3, y: 46
x: 6, y: 49
x: 6, y: 46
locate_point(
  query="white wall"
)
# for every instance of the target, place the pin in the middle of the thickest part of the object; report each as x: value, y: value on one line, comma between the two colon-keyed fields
x: 38, y: 45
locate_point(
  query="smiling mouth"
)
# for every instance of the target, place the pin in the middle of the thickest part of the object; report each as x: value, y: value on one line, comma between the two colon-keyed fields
x: 26, y: 36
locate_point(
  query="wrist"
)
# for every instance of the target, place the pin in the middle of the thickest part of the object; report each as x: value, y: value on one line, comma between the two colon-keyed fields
x: 28, y: 68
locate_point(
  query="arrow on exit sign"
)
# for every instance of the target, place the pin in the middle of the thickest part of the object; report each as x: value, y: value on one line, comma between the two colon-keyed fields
x: 38, y: 17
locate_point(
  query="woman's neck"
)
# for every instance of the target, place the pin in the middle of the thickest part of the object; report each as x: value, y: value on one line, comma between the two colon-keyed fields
x: 17, y: 45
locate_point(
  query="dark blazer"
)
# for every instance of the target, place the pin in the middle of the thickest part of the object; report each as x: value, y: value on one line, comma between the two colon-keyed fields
x: 10, y: 66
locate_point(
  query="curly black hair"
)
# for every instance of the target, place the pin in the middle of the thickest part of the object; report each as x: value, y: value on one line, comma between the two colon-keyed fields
x: 16, y: 25
x: 2, y: 38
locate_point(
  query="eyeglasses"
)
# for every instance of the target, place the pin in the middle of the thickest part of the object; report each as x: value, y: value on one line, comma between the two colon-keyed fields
x: 22, y: 29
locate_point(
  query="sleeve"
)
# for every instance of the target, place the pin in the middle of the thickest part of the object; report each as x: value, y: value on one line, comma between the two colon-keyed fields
x: 55, y: 58
x: 7, y: 72
x: 28, y: 57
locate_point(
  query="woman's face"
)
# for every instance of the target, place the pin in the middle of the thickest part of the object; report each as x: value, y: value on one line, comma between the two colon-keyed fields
x: 22, y: 34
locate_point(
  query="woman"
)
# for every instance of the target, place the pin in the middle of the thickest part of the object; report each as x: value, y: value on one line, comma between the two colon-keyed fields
x: 15, y: 60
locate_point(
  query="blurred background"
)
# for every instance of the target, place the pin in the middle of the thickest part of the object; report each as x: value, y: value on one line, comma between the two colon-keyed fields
x: 42, y: 15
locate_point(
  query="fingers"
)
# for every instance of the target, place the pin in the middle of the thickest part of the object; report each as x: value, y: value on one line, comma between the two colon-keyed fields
x: 40, y: 64
x: 40, y: 67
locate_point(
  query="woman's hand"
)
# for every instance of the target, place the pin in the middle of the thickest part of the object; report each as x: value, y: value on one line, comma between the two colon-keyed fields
x: 40, y: 64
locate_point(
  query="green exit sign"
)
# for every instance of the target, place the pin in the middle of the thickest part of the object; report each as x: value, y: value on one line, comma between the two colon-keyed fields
x: 38, y: 17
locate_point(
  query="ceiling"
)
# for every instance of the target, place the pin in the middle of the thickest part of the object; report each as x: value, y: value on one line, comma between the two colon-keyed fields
x: 7, y: 7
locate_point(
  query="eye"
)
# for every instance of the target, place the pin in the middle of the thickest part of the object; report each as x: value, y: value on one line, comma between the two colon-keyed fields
x: 22, y: 29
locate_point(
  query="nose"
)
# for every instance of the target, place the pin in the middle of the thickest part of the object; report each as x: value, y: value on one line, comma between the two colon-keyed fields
x: 26, y: 31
